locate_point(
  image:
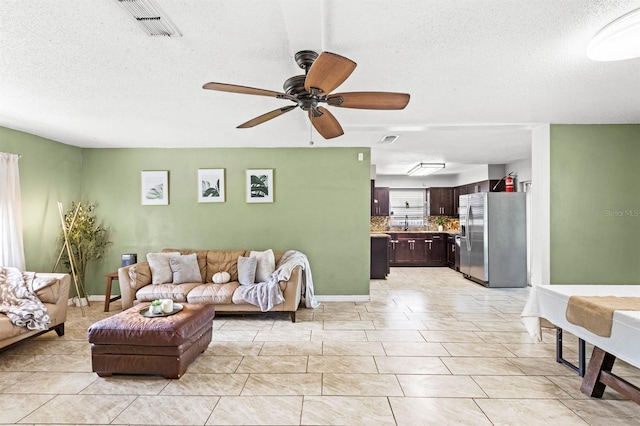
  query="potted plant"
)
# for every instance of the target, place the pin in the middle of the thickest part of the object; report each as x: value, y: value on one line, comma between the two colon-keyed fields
x: 87, y: 239
x: 441, y: 221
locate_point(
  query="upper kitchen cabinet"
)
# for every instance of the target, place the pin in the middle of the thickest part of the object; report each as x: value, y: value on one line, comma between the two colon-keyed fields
x: 494, y: 185
x: 379, y: 201
x: 456, y: 200
x: 440, y: 202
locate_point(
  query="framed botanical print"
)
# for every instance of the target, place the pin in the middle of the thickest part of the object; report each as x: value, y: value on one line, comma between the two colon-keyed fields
x: 211, y: 186
x: 154, y: 188
x: 260, y: 187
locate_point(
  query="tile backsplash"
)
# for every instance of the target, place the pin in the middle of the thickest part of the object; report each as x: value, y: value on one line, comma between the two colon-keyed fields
x: 381, y: 224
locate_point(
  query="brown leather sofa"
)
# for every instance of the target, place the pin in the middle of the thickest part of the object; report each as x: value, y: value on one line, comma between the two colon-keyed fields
x: 55, y: 297
x: 136, y: 284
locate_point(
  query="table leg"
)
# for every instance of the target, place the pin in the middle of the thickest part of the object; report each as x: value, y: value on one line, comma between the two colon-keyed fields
x: 107, y: 296
x: 581, y: 354
x: 599, y: 376
x: 600, y: 361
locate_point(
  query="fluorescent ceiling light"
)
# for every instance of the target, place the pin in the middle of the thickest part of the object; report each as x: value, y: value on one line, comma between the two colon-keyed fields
x: 150, y: 17
x: 618, y: 40
x: 423, y: 169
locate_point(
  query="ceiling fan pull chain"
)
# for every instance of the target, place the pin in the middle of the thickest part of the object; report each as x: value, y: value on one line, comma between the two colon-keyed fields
x: 310, y: 134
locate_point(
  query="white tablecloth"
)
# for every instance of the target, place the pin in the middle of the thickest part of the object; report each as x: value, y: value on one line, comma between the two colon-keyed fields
x: 550, y: 302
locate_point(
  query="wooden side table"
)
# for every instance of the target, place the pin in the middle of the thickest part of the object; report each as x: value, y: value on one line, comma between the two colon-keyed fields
x: 107, y: 298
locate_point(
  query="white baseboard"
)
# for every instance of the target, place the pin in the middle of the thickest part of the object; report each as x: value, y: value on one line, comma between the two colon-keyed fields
x: 348, y: 298
x: 92, y: 298
x: 326, y: 298
x: 97, y: 298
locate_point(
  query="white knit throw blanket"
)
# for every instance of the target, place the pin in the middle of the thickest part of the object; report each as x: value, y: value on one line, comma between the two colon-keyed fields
x: 268, y: 294
x: 18, y: 300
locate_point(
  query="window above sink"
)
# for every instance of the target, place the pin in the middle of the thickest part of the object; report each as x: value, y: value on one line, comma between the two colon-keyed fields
x: 406, y: 207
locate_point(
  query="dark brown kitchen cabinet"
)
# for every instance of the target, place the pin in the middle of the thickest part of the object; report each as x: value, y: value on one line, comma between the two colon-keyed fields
x: 380, y: 201
x: 493, y: 185
x: 393, y: 247
x: 406, y: 250
x: 379, y: 257
x: 456, y: 201
x: 435, y: 249
x: 417, y: 249
x: 497, y: 185
x: 440, y: 201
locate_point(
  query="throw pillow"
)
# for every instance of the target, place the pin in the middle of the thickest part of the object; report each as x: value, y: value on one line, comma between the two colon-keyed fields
x: 247, y: 270
x: 160, y: 269
x: 266, y: 264
x: 185, y: 269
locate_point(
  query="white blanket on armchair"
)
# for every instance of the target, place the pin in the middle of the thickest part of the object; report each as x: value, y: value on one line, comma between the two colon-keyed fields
x: 19, y: 301
x: 268, y: 294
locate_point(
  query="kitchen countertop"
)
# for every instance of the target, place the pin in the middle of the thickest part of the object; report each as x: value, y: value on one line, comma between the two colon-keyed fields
x: 380, y: 235
x: 373, y: 233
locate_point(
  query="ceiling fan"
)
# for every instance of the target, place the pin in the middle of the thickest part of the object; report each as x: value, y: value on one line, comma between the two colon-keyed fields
x: 323, y: 74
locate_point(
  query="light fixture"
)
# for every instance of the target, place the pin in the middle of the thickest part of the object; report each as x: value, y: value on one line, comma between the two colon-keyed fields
x: 618, y: 40
x: 150, y: 17
x: 423, y: 169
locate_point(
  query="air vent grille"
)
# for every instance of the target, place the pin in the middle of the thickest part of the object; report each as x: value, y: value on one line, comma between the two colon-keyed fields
x: 389, y: 139
x: 150, y: 17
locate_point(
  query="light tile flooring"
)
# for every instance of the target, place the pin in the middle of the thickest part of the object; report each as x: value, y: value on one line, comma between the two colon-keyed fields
x: 429, y: 348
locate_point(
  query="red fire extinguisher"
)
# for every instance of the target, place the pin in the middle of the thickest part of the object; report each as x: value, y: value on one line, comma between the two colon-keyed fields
x: 508, y: 181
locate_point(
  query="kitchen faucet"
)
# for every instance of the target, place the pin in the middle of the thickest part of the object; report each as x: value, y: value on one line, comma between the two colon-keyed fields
x: 406, y: 222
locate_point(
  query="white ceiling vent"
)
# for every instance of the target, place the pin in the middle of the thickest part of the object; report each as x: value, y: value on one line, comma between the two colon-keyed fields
x: 389, y: 139
x: 150, y: 17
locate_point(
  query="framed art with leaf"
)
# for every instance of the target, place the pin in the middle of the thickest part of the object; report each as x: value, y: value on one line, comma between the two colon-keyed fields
x: 260, y: 187
x: 211, y: 186
x: 154, y: 189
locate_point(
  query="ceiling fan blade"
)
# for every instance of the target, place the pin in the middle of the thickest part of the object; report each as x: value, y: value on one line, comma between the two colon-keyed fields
x: 369, y: 100
x: 223, y: 87
x: 328, y: 72
x: 266, y: 117
x: 325, y: 123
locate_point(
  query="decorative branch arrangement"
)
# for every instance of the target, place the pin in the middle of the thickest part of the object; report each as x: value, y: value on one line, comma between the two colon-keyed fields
x: 83, y: 240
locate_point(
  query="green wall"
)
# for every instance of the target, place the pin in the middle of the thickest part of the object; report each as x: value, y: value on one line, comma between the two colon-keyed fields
x: 321, y: 208
x: 321, y: 205
x: 595, y: 204
x: 49, y: 172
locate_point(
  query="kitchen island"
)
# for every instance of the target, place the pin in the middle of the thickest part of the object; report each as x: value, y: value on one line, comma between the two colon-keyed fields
x: 379, y: 267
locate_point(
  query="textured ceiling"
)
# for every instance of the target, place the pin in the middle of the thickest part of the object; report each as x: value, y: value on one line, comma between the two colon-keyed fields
x: 480, y: 73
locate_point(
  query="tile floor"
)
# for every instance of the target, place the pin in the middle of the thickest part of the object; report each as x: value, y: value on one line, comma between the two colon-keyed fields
x: 429, y: 348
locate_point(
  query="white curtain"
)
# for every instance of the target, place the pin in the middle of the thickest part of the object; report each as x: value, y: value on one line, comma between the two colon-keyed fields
x: 11, y: 247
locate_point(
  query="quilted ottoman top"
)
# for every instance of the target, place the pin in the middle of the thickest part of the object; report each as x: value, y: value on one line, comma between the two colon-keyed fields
x: 131, y: 328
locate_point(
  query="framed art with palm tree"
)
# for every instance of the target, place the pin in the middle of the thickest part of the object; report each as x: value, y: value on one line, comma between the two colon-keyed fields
x: 211, y: 186
x: 260, y: 188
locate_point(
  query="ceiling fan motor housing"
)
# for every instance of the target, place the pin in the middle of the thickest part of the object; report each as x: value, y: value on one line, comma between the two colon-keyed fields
x: 294, y: 86
x: 306, y: 58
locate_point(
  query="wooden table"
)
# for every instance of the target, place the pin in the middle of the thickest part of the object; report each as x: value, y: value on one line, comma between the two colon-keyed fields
x: 107, y: 298
x: 550, y: 302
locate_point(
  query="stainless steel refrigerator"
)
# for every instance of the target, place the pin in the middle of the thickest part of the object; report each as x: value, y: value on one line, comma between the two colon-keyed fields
x: 493, y: 238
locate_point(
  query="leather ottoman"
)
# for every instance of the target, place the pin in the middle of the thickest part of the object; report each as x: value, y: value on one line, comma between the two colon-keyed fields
x: 129, y: 343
